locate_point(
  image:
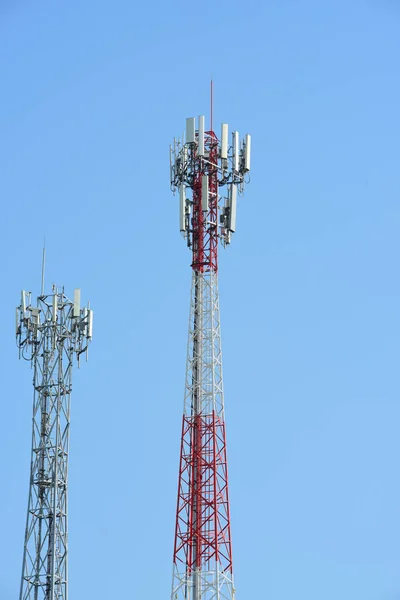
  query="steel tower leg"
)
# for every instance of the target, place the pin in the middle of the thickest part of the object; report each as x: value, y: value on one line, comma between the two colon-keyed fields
x: 48, y: 336
x: 202, y: 553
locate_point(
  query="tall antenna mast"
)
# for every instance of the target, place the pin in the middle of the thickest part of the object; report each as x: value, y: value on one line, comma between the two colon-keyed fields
x: 43, y: 265
x: 49, y: 336
x: 201, y: 165
x: 211, y: 105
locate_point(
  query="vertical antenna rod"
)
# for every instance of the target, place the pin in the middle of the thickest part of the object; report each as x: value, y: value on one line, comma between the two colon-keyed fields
x: 43, y: 265
x: 203, y: 568
x: 49, y: 336
x: 211, y: 106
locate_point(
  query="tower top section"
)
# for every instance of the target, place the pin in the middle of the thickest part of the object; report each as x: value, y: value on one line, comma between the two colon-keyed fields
x: 202, y: 163
x: 54, y: 320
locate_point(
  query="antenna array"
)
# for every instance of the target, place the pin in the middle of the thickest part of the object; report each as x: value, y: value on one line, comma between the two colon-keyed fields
x: 197, y: 154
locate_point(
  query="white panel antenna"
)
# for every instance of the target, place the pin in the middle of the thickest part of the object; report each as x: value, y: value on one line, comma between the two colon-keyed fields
x: 23, y: 303
x: 182, y: 206
x: 85, y: 320
x: 35, y: 314
x: 184, y: 157
x: 190, y: 130
x: 204, y: 192
x: 224, y: 141
x: 170, y: 163
x: 200, y: 148
x: 55, y: 306
x: 232, y: 206
x: 235, y: 144
x: 247, y: 153
x: 77, y: 302
x: 90, y: 324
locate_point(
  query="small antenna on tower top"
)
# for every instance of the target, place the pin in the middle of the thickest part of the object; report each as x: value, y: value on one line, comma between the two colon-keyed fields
x: 211, y: 107
x: 43, y: 264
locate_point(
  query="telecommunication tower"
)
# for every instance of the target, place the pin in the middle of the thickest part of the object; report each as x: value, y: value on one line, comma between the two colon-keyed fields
x: 49, y: 336
x: 200, y: 165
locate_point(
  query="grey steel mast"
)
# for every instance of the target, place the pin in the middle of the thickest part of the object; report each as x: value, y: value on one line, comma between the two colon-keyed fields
x: 49, y: 336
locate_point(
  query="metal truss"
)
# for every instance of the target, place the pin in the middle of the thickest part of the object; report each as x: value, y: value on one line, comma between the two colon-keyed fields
x: 202, y: 551
x: 203, y: 164
x: 49, y: 336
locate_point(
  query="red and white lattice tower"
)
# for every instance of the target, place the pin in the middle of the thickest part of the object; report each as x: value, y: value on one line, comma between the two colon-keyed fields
x: 202, y: 163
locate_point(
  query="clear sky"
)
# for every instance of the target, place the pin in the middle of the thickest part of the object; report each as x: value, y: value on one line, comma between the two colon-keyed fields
x: 91, y: 95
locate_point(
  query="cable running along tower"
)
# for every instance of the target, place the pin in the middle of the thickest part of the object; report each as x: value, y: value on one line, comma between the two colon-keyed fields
x: 49, y: 335
x: 200, y: 166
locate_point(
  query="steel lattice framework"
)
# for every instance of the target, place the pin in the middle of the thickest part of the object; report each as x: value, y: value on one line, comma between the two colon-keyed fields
x: 49, y: 335
x: 202, y: 559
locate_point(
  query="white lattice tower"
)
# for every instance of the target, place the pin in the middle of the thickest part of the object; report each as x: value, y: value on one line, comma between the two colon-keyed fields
x: 49, y: 336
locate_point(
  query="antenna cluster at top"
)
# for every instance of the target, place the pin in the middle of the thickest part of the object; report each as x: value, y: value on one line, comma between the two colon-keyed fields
x: 54, y: 320
x: 200, y: 154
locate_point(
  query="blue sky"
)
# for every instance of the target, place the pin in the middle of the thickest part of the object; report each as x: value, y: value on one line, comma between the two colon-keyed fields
x: 91, y: 95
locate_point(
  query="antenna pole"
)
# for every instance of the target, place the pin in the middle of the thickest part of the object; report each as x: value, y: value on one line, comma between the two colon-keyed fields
x: 43, y: 265
x: 211, y: 110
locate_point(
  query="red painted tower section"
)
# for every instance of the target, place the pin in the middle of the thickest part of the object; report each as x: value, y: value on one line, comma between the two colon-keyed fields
x: 205, y: 224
